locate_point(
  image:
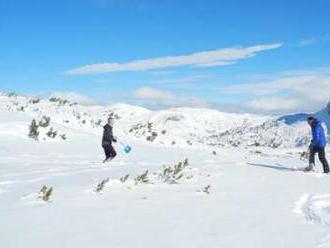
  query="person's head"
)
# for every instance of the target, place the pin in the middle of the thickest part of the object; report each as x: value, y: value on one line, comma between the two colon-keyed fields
x: 111, y: 121
x: 310, y: 120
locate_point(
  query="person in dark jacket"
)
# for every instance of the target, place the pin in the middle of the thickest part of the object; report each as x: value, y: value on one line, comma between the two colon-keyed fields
x: 317, y: 145
x: 107, y: 140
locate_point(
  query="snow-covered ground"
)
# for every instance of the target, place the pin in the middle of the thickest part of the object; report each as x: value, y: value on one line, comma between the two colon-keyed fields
x: 258, y: 196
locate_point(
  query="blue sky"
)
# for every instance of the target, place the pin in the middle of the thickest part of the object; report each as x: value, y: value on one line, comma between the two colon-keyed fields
x: 221, y: 54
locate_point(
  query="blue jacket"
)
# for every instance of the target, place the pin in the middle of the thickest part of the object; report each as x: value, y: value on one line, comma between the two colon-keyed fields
x: 319, y: 139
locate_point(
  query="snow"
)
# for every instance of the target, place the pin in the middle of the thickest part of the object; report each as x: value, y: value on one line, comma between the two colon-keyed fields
x: 258, y: 196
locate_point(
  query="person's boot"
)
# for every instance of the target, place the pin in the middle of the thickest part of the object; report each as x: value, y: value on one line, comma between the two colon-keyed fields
x: 326, y: 168
x: 309, y: 168
x: 106, y: 160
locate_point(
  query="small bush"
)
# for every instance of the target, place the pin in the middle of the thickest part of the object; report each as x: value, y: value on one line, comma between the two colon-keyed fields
x: 100, y: 186
x: 51, y: 133
x: 143, y: 178
x: 34, y: 101
x: 173, y: 174
x: 58, y: 100
x: 34, y: 133
x: 44, y: 122
x: 206, y: 189
x: 12, y: 94
x: 123, y: 179
x: 45, y: 193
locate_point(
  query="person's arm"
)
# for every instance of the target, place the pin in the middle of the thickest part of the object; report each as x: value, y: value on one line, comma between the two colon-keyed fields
x: 111, y: 136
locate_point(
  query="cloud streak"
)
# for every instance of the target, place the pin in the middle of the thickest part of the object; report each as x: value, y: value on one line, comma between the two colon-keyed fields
x: 220, y: 57
x: 159, y: 99
x: 300, y: 91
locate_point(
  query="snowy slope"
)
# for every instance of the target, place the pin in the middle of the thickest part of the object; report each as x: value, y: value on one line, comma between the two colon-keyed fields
x: 237, y: 198
x: 246, y: 196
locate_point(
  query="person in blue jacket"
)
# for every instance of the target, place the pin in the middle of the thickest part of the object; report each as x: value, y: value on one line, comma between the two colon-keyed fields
x: 317, y: 145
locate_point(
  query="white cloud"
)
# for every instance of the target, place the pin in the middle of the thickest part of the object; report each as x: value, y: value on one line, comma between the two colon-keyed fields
x: 313, y: 40
x: 75, y: 97
x: 270, y: 104
x: 219, y: 57
x: 151, y: 93
x: 155, y: 98
x: 301, y: 91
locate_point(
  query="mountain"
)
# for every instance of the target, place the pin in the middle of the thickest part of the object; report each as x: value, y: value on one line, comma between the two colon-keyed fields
x: 61, y: 120
x: 323, y: 115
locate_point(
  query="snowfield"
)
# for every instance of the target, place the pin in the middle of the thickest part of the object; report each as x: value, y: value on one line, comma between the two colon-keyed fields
x: 242, y: 184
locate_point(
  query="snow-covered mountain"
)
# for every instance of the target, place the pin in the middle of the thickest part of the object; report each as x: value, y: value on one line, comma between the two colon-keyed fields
x: 60, y: 119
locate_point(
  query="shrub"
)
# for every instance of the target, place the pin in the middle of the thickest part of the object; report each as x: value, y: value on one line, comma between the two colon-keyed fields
x: 51, y: 133
x: 100, y: 186
x: 34, y: 133
x: 206, y: 189
x: 44, y: 122
x: 34, y: 101
x: 58, y: 100
x: 12, y: 94
x: 45, y: 193
x: 143, y: 178
x: 123, y: 179
x: 173, y: 174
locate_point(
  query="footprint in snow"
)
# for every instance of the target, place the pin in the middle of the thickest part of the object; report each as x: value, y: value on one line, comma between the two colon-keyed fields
x: 314, y: 208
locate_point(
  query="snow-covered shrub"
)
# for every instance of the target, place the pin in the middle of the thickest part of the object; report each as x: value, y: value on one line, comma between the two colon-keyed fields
x: 304, y: 156
x: 111, y: 114
x: 44, y: 122
x: 59, y: 101
x: 34, y: 133
x: 34, y: 101
x: 152, y: 136
x: 51, y: 133
x: 21, y: 108
x: 63, y: 136
x: 12, y: 94
x: 206, y: 189
x: 45, y: 193
x: 100, y: 186
x: 123, y: 179
x: 143, y: 178
x: 173, y: 174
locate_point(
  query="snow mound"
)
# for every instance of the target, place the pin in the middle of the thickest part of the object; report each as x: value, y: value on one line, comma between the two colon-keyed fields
x: 314, y: 208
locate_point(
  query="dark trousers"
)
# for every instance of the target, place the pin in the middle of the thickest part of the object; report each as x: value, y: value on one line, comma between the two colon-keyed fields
x: 321, y: 153
x: 109, y: 151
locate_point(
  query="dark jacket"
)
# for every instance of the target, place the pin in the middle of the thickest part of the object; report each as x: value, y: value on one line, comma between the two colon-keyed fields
x: 319, y: 139
x: 107, y: 136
